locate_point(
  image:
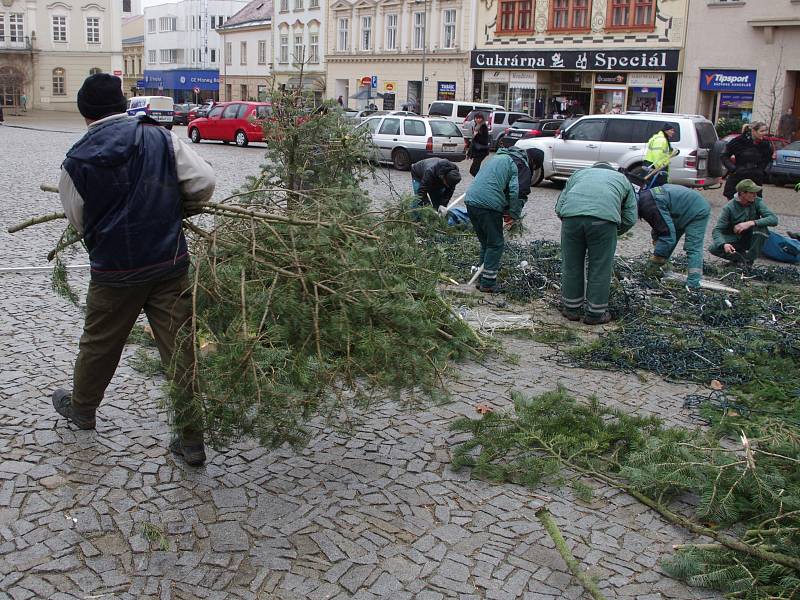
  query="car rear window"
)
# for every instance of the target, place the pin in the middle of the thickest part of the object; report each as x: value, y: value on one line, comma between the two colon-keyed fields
x: 527, y: 125
x: 414, y: 127
x: 462, y: 110
x: 158, y: 103
x: 440, y: 109
x: 706, y: 134
x: 514, y: 117
x: 262, y: 112
x: 444, y: 129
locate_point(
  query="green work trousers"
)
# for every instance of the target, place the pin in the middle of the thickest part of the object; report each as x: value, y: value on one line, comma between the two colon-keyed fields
x: 488, y: 226
x: 111, y: 313
x: 748, y: 245
x: 597, y: 239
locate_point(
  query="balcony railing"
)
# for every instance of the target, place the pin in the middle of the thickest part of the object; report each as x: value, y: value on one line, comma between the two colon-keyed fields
x: 8, y: 46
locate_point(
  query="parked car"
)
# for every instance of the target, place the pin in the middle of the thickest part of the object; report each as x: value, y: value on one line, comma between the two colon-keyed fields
x: 239, y: 122
x: 621, y: 140
x: 158, y: 108
x: 181, y: 113
x: 457, y: 112
x: 524, y: 129
x: 202, y: 110
x: 497, y: 121
x: 403, y: 140
x: 785, y: 167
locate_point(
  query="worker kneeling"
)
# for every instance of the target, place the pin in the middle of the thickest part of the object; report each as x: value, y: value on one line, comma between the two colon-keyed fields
x: 674, y: 211
x: 434, y: 180
x: 495, y: 190
x: 743, y: 225
x: 596, y: 206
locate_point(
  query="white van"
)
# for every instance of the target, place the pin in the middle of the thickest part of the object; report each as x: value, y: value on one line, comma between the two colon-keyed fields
x: 158, y: 108
x: 457, y: 111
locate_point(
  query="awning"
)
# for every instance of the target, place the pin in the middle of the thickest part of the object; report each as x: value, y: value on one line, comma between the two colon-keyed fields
x: 309, y: 83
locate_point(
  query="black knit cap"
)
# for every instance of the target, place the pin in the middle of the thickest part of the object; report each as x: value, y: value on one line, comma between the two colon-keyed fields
x: 101, y: 96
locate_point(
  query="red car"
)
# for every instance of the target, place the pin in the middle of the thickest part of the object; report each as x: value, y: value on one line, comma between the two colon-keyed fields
x: 239, y: 122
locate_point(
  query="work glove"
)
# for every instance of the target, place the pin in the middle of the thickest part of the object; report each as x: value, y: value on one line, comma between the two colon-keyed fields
x: 797, y: 188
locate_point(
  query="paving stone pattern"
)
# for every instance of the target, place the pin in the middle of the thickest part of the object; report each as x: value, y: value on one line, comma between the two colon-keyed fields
x: 375, y: 514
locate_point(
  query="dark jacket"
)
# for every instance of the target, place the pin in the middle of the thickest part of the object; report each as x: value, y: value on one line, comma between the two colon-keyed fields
x: 480, y: 142
x: 429, y: 173
x: 125, y: 172
x: 750, y: 157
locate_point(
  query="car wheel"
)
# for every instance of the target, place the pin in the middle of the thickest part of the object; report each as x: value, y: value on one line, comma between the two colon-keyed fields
x: 241, y: 139
x: 537, y: 174
x: 194, y: 135
x: 168, y: 127
x: 401, y: 160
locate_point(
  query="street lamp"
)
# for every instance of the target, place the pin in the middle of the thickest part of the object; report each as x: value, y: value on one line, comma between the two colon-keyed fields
x: 424, y: 52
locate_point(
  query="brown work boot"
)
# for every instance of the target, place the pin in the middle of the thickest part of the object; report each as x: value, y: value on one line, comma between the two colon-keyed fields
x: 193, y: 453
x: 599, y: 320
x: 570, y: 315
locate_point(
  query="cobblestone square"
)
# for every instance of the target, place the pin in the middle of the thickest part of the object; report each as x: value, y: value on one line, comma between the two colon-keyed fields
x: 377, y: 514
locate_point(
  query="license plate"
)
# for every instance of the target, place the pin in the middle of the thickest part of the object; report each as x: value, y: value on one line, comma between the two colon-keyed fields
x: 518, y: 135
x: 794, y: 159
x: 449, y: 146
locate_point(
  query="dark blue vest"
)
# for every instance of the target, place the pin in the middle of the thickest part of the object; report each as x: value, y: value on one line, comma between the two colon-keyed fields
x: 132, y: 209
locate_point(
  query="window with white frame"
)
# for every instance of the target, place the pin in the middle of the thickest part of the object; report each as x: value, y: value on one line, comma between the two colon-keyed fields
x: 59, y: 28
x: 284, y: 5
x: 151, y: 25
x: 313, y: 48
x: 419, y: 30
x: 2, y: 27
x: 242, y: 53
x: 391, y: 31
x: 299, y: 48
x: 213, y: 21
x: 344, y: 34
x: 193, y: 55
x: 284, y: 48
x: 169, y: 56
x: 313, y: 3
x: 449, y: 23
x: 16, y: 30
x: 59, y: 82
x: 92, y: 30
x: 167, y: 23
x: 262, y: 52
x: 228, y: 53
x: 151, y: 57
x: 220, y: 20
x: 213, y: 55
x: 366, y: 33
x: 298, y: 4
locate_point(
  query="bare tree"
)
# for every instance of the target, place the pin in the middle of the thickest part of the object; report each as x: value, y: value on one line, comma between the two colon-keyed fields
x: 773, y: 93
x: 15, y: 75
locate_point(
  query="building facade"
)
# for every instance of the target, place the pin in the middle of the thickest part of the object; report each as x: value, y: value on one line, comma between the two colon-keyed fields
x: 399, y: 53
x: 48, y: 49
x: 246, y: 72
x: 573, y: 57
x: 183, y: 51
x: 752, y: 70
x: 299, y: 45
x: 132, y: 54
x: 131, y: 8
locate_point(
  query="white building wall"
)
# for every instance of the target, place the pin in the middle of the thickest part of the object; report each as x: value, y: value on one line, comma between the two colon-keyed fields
x: 304, y: 18
x: 251, y: 68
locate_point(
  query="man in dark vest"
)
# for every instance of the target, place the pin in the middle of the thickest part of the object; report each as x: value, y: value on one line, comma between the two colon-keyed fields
x: 123, y: 186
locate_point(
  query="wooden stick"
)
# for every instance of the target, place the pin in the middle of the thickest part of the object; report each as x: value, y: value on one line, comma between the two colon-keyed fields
x: 36, y: 221
x: 583, y: 578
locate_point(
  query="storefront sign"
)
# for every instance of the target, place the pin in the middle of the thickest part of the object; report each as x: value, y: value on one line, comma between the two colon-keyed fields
x: 446, y: 90
x: 742, y: 101
x: 645, y: 79
x: 577, y: 60
x: 181, y: 79
x: 611, y: 78
x: 725, y: 80
x: 495, y: 76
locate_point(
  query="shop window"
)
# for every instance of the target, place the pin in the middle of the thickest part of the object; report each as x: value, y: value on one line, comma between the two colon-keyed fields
x: 631, y: 14
x: 569, y: 15
x: 515, y: 16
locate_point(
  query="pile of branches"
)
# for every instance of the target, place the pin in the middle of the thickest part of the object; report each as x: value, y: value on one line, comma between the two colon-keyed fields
x: 305, y: 302
x: 748, y: 494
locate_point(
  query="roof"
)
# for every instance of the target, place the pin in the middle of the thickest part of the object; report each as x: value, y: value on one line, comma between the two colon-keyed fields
x: 132, y: 41
x: 257, y: 12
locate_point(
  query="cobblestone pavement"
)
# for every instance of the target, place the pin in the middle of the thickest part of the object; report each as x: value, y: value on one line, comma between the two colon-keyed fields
x: 376, y: 514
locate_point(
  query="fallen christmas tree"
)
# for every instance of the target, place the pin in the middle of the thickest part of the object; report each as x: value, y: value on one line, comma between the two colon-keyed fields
x: 306, y: 302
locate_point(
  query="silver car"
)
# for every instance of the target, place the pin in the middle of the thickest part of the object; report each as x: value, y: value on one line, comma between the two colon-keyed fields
x: 403, y: 140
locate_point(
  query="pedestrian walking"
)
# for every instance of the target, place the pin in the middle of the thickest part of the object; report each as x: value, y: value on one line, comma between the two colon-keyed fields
x: 434, y: 180
x: 743, y: 225
x: 675, y: 211
x: 787, y: 125
x: 123, y: 186
x: 479, y: 144
x: 23, y: 100
x: 659, y: 153
x: 747, y: 157
x: 2, y: 117
x: 597, y: 205
x: 340, y: 101
x: 494, y: 191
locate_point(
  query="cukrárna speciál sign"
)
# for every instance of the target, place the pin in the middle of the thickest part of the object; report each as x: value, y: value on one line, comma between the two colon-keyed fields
x: 577, y: 60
